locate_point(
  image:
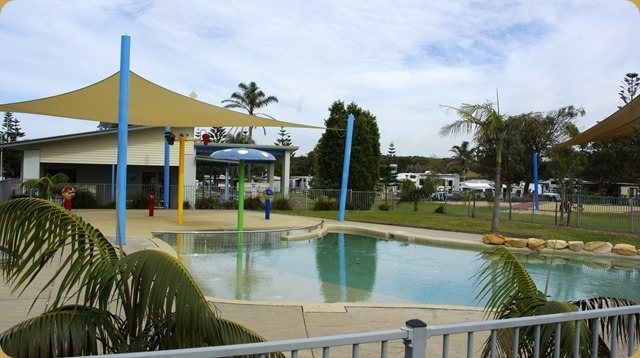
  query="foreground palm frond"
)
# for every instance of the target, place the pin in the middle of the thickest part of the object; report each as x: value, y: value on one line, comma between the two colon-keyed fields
x: 144, y: 301
x: 511, y: 292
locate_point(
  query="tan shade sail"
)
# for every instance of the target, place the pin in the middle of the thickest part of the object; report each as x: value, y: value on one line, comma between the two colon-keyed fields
x: 149, y: 105
x: 619, y: 124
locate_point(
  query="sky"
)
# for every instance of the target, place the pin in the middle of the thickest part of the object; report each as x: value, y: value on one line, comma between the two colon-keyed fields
x: 403, y: 61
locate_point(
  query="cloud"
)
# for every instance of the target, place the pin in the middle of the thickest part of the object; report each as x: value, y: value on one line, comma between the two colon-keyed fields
x: 400, y: 60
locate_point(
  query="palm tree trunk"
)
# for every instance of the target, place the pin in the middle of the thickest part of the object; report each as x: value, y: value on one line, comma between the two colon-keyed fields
x: 498, y: 189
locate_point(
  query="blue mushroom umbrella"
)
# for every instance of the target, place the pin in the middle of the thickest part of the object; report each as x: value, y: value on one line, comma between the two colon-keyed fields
x: 242, y: 156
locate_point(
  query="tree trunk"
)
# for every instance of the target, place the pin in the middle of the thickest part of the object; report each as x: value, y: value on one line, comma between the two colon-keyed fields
x: 498, y: 189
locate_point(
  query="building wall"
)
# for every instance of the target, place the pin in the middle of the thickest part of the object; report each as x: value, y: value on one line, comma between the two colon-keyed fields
x: 144, y: 147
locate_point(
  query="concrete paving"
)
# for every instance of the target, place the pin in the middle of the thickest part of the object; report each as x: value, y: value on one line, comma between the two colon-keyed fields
x: 275, y: 321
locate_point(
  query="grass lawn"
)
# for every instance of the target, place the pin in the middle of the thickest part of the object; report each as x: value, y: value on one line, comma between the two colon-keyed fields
x: 430, y: 220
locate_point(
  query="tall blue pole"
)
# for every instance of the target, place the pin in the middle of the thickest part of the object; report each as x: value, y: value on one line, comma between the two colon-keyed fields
x: 345, y: 168
x: 167, y: 170
x: 536, y: 203
x: 123, y: 128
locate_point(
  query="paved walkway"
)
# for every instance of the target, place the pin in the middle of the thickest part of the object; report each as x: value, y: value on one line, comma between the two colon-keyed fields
x: 276, y: 321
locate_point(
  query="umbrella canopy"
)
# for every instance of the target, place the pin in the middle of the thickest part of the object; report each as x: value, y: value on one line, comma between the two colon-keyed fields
x: 149, y: 105
x: 619, y: 124
x: 242, y: 155
x: 237, y: 154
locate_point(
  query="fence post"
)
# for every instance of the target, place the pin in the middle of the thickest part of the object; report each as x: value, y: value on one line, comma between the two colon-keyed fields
x: 415, y: 346
x: 631, y: 215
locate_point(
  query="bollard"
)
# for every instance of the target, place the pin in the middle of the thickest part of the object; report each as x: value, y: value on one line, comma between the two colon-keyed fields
x: 152, y: 202
x: 268, y: 195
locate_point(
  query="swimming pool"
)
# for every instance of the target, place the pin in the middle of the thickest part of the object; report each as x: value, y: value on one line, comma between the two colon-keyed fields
x: 356, y: 268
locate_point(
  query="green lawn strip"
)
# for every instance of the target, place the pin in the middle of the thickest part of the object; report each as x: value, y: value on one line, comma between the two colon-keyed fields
x: 448, y: 222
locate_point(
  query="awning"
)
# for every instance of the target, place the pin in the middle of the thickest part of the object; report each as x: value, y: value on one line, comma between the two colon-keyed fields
x: 149, y: 105
x: 619, y: 124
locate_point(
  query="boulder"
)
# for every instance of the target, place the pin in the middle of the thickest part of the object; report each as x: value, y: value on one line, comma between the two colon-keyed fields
x: 598, y: 247
x: 513, y: 242
x: 557, y: 244
x: 576, y: 246
x: 493, y: 239
x: 625, y: 250
x: 536, y: 244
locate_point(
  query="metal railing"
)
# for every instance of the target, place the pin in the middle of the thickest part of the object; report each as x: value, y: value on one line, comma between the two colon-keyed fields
x: 417, y: 338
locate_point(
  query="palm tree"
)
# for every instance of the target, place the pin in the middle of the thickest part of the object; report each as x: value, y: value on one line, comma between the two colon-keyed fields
x: 106, y: 302
x: 486, y: 124
x: 250, y: 98
x: 511, y: 293
x: 463, y: 155
x: 45, y: 187
x: 409, y: 192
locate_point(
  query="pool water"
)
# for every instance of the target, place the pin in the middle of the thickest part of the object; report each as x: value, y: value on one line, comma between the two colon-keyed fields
x: 355, y: 268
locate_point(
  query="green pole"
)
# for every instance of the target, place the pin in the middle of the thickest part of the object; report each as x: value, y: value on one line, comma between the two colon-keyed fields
x: 240, y: 199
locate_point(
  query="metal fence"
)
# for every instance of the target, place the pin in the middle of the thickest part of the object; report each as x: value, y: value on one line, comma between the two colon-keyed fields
x: 588, y: 212
x: 418, y: 338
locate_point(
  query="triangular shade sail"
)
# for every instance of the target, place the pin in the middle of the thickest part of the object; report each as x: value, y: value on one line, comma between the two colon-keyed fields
x: 619, y: 124
x: 149, y: 105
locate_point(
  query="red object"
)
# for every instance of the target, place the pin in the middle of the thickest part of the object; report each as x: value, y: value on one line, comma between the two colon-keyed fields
x: 152, y: 202
x: 206, y: 138
x: 67, y: 204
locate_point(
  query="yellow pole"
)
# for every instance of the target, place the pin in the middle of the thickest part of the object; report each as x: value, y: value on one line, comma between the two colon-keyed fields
x: 181, y: 180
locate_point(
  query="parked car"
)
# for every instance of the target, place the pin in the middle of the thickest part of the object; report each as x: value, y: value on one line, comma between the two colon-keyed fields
x: 548, y: 196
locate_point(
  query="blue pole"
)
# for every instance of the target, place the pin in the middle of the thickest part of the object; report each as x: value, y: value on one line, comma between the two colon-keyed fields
x: 123, y: 127
x: 536, y: 203
x: 345, y: 168
x: 342, y: 259
x: 167, y: 170
x: 113, y: 183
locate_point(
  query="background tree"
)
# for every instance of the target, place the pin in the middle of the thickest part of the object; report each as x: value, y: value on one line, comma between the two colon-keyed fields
x: 391, y: 152
x: 463, y: 157
x: 218, y: 134
x: 487, y: 124
x: 365, y: 149
x: 284, y: 138
x: 614, y: 160
x: 11, y: 159
x: 45, y: 187
x: 629, y: 90
x: 409, y: 192
x: 249, y: 98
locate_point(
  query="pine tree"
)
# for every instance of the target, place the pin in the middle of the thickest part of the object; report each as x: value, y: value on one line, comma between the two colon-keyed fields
x: 11, y: 159
x: 285, y: 138
x: 218, y: 134
x: 391, y: 152
x: 629, y: 90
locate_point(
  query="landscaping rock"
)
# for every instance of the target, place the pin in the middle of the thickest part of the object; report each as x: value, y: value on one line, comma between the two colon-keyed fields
x: 493, y: 239
x: 598, y: 247
x: 536, y: 244
x: 625, y: 250
x: 576, y: 246
x: 557, y: 244
x: 514, y: 242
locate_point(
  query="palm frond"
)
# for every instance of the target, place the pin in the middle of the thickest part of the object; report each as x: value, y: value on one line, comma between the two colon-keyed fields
x: 38, y: 233
x: 167, y: 310
x: 62, y: 332
x: 606, y: 324
x: 506, y: 284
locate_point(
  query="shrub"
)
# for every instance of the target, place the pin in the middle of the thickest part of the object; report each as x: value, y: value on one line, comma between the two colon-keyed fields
x: 84, y: 199
x: 212, y: 202
x: 185, y: 205
x: 383, y: 207
x: 138, y: 201
x: 325, y: 204
x: 229, y: 205
x: 281, y: 204
x: 253, y: 203
x: 440, y: 209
